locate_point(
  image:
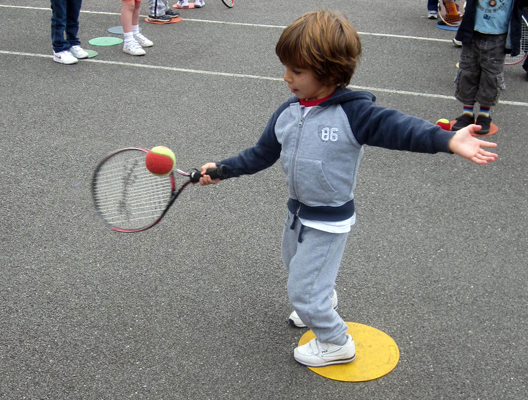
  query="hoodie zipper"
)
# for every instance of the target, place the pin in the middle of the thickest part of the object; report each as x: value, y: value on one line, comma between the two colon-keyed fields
x: 294, y: 156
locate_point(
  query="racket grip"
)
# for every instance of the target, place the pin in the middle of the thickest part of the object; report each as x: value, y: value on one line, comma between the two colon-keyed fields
x: 215, y: 173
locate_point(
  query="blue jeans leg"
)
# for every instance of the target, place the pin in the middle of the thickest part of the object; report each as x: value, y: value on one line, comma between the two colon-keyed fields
x: 72, y: 22
x: 432, y: 5
x: 65, y: 24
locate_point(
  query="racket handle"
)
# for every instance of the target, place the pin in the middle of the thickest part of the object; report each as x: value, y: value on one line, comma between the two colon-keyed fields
x: 215, y: 173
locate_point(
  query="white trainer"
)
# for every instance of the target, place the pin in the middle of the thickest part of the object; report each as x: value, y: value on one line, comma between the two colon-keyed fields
x: 183, y: 3
x: 142, y: 40
x: 457, y: 43
x: 78, y: 52
x: 319, y: 354
x: 64, y: 57
x: 296, y: 322
x: 133, y: 48
x: 199, y: 3
x: 432, y: 15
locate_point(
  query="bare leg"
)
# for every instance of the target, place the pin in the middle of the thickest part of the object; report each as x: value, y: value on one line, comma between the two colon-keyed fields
x: 135, y: 16
x: 127, y: 14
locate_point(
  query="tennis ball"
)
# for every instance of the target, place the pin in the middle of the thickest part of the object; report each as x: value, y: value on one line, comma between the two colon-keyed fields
x: 444, y: 124
x: 160, y: 161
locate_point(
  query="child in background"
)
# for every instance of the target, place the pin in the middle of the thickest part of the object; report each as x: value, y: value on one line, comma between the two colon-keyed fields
x: 65, y: 20
x: 185, y: 3
x: 432, y: 9
x: 161, y: 11
x: 134, y: 41
x: 318, y: 135
x: 480, y: 77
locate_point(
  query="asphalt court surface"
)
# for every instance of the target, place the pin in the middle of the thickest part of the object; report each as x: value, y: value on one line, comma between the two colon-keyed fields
x: 196, y: 308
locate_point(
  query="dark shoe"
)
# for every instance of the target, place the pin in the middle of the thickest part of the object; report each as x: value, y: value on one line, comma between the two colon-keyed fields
x: 462, y: 121
x: 485, y: 123
x: 171, y: 12
x: 162, y: 18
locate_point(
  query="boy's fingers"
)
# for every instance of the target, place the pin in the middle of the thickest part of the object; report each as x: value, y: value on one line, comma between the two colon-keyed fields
x: 489, y: 154
x: 484, y: 143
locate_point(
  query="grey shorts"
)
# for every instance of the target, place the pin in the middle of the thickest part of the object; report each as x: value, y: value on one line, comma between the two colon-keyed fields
x: 480, y: 78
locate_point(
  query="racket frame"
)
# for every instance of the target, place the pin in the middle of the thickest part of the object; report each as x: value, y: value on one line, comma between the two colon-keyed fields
x: 193, y: 177
x: 229, y: 3
x: 444, y: 15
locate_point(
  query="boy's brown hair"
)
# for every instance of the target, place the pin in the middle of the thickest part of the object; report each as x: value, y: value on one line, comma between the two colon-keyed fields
x: 323, y: 42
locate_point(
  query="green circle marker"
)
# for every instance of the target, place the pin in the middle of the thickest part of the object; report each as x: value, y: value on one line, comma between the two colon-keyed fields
x: 105, y: 41
x: 91, y: 53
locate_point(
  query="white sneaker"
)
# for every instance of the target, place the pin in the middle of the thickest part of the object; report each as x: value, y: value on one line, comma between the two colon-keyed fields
x: 78, y: 52
x: 432, y: 15
x: 143, y: 41
x: 133, y: 48
x: 64, y: 57
x: 319, y: 354
x: 183, y: 3
x: 199, y: 3
x: 457, y: 43
x: 296, y: 322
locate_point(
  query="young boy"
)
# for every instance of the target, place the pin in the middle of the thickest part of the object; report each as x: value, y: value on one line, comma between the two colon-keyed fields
x: 185, y: 3
x: 432, y: 9
x: 65, y: 20
x: 318, y: 135
x: 161, y: 11
x: 480, y: 77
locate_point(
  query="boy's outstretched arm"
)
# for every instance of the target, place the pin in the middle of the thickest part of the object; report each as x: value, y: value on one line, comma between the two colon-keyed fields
x: 467, y: 146
x: 206, y: 179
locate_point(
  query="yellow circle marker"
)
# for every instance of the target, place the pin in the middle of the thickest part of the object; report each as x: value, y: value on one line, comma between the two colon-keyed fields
x: 376, y: 355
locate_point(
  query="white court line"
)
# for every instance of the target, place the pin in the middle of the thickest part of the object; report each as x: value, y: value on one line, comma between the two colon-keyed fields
x: 257, y: 77
x: 206, y: 21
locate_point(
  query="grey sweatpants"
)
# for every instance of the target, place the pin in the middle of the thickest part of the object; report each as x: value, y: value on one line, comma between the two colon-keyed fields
x: 312, y: 266
x: 480, y: 77
x: 158, y: 8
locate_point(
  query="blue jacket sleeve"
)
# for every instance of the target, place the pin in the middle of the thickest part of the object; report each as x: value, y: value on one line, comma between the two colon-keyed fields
x: 392, y: 129
x: 259, y: 157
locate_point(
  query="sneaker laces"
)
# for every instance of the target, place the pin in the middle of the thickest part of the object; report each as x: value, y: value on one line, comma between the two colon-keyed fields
x: 133, y: 45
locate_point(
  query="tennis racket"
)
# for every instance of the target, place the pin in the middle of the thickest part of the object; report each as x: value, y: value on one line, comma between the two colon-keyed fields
x: 229, y: 3
x: 451, y: 11
x: 129, y: 198
x: 509, y: 60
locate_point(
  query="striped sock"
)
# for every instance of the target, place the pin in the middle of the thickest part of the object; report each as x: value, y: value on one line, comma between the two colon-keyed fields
x: 468, y: 110
x: 484, y: 111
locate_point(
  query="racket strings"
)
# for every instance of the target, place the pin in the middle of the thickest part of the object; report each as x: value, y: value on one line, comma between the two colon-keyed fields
x: 451, y: 12
x: 127, y: 195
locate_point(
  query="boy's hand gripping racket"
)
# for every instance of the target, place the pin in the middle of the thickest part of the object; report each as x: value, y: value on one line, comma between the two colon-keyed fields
x: 129, y: 198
